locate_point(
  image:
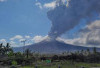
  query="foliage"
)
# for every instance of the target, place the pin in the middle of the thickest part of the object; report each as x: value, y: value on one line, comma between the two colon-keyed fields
x: 14, y: 62
x: 66, y: 59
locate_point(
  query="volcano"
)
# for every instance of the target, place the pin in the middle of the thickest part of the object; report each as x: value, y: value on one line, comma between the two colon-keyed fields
x: 65, y: 18
x: 52, y: 47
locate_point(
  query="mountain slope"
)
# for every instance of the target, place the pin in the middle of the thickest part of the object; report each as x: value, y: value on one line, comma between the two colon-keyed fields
x: 52, y: 47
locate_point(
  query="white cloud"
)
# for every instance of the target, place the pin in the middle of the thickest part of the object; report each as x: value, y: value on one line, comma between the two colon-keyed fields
x: 76, y: 41
x: 2, y: 40
x: 37, y: 39
x: 94, y: 25
x: 50, y: 5
x: 93, y: 34
x: 20, y: 40
x: 16, y: 37
x: 67, y: 4
x: 89, y: 37
x: 39, y: 5
x: 27, y: 37
x: 2, y: 0
x: 16, y: 40
x: 13, y: 44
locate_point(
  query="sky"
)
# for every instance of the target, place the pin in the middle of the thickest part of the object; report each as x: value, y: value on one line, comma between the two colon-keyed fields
x: 27, y: 19
x: 22, y: 17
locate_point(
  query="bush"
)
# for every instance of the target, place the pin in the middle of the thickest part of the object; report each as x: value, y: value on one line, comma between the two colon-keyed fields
x: 14, y: 63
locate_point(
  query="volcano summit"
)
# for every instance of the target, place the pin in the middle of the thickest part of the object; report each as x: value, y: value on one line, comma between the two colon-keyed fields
x: 52, y: 47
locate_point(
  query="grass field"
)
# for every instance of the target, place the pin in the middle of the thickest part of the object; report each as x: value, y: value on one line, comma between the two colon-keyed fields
x: 64, y: 65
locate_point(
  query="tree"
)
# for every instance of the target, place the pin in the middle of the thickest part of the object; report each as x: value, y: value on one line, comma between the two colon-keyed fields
x: 1, y: 48
x: 94, y: 50
x: 6, y: 49
x: 10, y: 54
x: 27, y: 52
x: 82, y: 51
x: 88, y: 51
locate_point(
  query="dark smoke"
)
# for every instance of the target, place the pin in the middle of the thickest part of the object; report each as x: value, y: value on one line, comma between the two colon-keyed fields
x: 65, y: 18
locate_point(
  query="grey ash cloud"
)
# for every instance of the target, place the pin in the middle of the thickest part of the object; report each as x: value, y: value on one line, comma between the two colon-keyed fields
x: 65, y: 18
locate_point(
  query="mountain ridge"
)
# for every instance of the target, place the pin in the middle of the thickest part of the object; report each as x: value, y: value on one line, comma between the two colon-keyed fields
x: 52, y: 47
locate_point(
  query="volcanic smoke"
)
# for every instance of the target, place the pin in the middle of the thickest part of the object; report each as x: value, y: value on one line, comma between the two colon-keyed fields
x: 65, y: 18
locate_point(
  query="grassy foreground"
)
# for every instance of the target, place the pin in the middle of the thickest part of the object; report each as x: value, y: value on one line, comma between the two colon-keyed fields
x: 64, y: 65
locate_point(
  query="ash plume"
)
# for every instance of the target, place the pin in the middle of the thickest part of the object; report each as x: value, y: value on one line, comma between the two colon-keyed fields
x: 66, y: 17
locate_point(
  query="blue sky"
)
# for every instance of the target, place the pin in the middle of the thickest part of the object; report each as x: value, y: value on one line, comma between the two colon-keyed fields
x: 22, y: 17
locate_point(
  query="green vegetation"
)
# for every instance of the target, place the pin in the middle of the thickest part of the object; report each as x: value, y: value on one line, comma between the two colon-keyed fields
x: 28, y: 59
x: 14, y: 63
x: 65, y: 65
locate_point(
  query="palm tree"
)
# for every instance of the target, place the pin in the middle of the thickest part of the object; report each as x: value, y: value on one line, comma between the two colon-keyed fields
x: 88, y: 51
x: 82, y: 51
x: 94, y: 50
x: 7, y: 48
x: 1, y: 49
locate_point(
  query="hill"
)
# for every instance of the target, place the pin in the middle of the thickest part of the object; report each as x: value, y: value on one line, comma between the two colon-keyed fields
x: 52, y: 47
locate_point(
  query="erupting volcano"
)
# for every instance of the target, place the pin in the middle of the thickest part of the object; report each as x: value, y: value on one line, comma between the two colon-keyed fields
x: 53, y: 47
x: 64, y: 18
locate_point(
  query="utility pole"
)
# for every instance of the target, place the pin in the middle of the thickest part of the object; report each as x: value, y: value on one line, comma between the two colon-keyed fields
x: 23, y: 41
